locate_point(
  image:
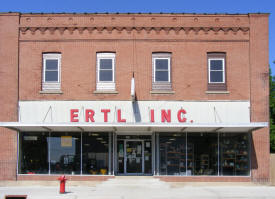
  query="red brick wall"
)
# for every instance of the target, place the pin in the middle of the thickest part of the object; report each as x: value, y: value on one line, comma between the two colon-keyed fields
x: 204, y: 179
x: 79, y: 66
x: 259, y: 81
x: 8, y: 93
x: 134, y: 53
x: 69, y: 177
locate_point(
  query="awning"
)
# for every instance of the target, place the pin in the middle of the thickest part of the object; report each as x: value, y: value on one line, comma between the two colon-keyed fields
x: 133, y: 127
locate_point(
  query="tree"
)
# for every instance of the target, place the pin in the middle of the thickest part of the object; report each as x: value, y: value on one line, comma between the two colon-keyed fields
x: 272, y: 110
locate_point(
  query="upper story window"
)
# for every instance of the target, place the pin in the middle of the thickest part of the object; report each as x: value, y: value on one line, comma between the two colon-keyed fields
x: 161, y: 64
x: 216, y: 71
x: 105, y: 71
x: 162, y: 69
x: 51, y: 71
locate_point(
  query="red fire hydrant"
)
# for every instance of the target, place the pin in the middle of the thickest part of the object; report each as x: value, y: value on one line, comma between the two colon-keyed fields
x: 62, y: 180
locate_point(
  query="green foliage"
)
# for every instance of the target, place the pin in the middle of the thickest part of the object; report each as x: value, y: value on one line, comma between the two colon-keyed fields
x: 272, y: 111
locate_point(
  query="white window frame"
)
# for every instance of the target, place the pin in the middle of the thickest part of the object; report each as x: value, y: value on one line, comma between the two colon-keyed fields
x: 223, y: 70
x: 51, y: 85
x: 169, y: 69
x: 105, y: 85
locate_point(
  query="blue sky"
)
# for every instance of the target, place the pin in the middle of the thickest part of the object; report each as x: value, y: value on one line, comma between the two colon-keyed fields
x: 179, y: 6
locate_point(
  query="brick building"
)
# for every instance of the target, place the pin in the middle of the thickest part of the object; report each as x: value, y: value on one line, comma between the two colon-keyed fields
x: 182, y: 97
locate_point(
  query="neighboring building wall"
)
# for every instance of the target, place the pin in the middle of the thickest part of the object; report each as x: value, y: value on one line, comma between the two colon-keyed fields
x: 272, y: 169
x: 9, y: 93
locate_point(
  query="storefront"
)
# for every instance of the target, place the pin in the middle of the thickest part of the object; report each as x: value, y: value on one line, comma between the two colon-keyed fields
x: 95, y: 95
x: 160, y: 138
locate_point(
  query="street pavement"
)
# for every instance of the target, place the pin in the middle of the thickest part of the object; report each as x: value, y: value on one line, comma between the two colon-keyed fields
x: 142, y: 188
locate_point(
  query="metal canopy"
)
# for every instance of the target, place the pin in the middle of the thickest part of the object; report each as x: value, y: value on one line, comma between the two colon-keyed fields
x: 133, y: 127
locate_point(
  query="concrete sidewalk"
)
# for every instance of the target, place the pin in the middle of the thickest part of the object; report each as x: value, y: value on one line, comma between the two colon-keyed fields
x: 139, y: 189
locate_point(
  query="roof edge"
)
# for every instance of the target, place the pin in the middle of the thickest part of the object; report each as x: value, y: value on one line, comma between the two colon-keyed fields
x: 10, y: 13
x: 130, y: 13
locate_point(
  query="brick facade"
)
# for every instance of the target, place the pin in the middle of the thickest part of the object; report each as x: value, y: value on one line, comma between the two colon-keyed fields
x: 9, y: 93
x: 134, y: 37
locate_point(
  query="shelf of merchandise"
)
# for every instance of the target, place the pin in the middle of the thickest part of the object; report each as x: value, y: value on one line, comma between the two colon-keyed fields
x: 204, y: 161
x: 235, y: 157
x: 176, y: 159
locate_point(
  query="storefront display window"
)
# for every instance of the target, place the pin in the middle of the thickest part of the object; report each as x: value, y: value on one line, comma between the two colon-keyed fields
x: 69, y: 153
x: 33, y: 153
x: 178, y: 154
x: 204, y: 147
x: 65, y: 149
x: 172, y: 154
x: 234, y: 155
x: 195, y: 154
x: 95, y: 153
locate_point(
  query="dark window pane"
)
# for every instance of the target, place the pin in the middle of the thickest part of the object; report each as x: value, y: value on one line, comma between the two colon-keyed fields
x: 33, y: 153
x: 148, y: 157
x: 234, y: 154
x: 161, y: 64
x: 161, y: 76
x: 51, y: 76
x: 216, y: 76
x: 203, y: 153
x: 120, y: 156
x: 136, y: 137
x: 65, y: 153
x: 51, y: 64
x: 105, y: 63
x: 133, y: 156
x: 216, y: 65
x: 172, y: 153
x: 105, y: 75
x: 95, y: 153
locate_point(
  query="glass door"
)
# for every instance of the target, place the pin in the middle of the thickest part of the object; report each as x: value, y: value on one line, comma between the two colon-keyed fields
x: 134, y: 157
x: 120, y: 157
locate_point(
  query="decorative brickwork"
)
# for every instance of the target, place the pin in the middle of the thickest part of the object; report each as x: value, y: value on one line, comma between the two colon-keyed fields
x: 148, y: 30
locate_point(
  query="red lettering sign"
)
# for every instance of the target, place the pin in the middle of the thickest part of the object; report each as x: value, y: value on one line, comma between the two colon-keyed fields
x: 119, y: 116
x: 74, y: 115
x: 180, y: 117
x: 105, y: 111
x: 89, y: 115
x: 152, y: 115
x: 166, y: 116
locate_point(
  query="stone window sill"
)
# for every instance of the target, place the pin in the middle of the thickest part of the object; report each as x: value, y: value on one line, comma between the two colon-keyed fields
x: 217, y: 92
x: 51, y: 92
x: 162, y: 92
x: 105, y: 92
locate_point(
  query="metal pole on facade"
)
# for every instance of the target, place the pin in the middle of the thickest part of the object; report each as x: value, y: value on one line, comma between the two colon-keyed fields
x: 17, y: 161
x: 218, y: 153
x: 153, y: 150
x: 114, y: 153
x: 81, y: 151
x: 157, y: 154
x: 109, y: 152
x: 186, y: 154
x: 49, y: 152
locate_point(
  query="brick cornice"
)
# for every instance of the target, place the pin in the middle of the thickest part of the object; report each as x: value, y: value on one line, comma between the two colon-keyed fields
x: 110, y: 29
